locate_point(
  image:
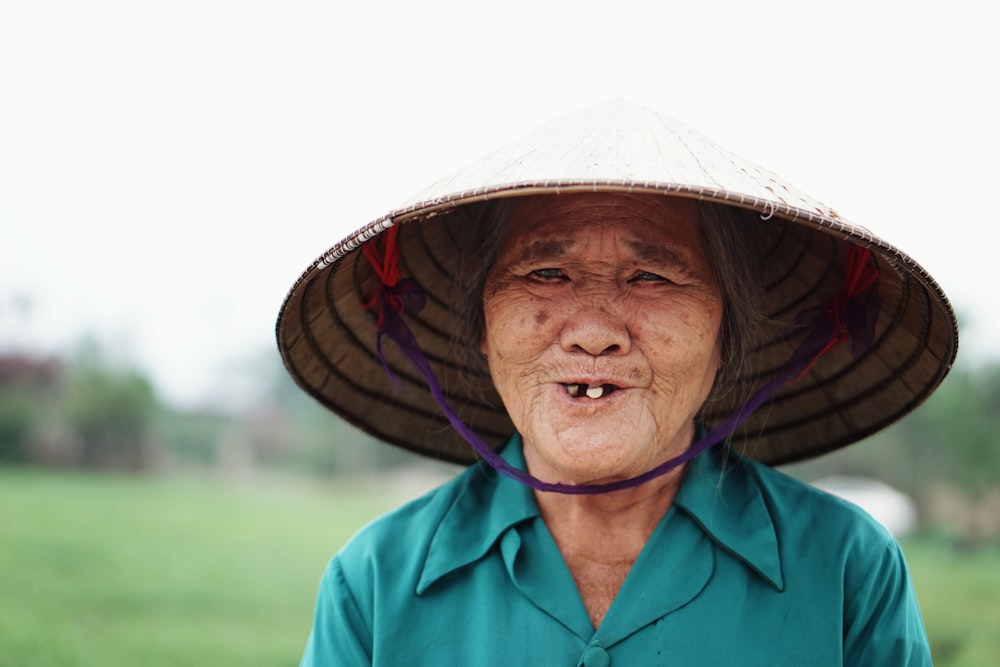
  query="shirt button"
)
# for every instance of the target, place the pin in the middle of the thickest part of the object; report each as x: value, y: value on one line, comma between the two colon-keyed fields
x: 595, y: 656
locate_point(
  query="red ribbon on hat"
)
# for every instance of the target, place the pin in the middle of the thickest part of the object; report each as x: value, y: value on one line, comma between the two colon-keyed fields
x: 386, y: 265
x: 859, y: 276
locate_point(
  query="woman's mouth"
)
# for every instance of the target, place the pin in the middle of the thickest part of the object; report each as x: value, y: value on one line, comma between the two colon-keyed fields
x: 579, y: 390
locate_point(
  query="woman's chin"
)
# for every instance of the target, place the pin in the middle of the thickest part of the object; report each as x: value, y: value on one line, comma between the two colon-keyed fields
x: 587, y: 458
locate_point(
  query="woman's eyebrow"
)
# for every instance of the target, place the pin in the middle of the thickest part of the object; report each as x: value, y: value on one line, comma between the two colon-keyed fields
x: 659, y: 255
x: 544, y: 249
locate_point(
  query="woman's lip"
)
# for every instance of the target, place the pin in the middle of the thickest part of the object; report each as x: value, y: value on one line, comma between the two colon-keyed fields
x: 594, y: 382
x: 584, y: 397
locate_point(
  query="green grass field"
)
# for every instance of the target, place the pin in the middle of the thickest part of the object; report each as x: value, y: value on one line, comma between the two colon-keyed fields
x: 106, y: 571
x: 960, y: 600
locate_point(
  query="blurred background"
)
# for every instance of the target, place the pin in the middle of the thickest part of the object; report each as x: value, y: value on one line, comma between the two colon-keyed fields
x: 168, y: 169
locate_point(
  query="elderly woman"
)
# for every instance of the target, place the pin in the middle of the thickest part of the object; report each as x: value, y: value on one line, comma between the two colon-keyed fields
x: 619, y: 325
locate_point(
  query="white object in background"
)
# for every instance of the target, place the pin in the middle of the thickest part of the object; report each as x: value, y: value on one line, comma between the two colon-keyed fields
x: 893, y: 509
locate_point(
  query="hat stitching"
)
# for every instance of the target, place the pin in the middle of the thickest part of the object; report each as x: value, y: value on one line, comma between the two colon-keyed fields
x: 899, y: 370
x: 362, y: 347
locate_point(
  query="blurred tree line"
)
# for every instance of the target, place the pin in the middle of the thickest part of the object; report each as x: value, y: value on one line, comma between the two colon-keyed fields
x: 945, y: 455
x: 91, y: 412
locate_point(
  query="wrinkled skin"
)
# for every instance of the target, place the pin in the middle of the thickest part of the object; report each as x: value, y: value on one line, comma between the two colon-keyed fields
x: 602, y: 290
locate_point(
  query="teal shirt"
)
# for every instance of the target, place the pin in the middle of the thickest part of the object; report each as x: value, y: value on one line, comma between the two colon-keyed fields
x: 749, y: 567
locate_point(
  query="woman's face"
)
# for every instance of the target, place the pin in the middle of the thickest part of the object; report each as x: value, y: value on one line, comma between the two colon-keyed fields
x: 602, y: 331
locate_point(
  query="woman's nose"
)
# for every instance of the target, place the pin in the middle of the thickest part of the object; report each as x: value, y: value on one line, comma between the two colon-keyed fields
x: 596, y: 330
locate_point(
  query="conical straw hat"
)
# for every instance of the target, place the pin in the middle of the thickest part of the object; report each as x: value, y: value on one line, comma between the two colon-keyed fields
x: 327, y: 336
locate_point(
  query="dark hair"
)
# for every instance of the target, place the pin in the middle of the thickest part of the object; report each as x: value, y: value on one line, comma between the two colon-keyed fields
x: 731, y: 238
x: 733, y: 241
x: 479, y: 238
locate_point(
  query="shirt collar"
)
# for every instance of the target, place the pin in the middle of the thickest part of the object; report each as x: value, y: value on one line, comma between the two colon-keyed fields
x: 726, y: 503
x: 723, y: 495
x: 487, y: 505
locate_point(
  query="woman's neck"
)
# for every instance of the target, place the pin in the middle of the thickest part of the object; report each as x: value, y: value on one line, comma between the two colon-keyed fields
x: 601, y: 536
x: 634, y: 512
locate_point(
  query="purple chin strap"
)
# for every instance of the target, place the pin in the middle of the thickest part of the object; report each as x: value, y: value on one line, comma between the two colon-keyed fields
x: 851, y: 315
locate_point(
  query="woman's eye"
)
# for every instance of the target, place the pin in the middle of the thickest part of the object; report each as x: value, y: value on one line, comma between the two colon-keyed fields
x: 547, y: 274
x: 646, y: 276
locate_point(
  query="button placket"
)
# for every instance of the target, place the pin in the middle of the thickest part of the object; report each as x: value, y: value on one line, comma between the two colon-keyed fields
x: 595, y: 656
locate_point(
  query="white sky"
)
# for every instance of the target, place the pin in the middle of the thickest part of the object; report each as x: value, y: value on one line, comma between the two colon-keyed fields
x: 168, y: 168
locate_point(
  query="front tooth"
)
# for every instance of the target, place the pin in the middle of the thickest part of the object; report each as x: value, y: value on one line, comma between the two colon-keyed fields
x: 573, y: 389
x: 595, y: 392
